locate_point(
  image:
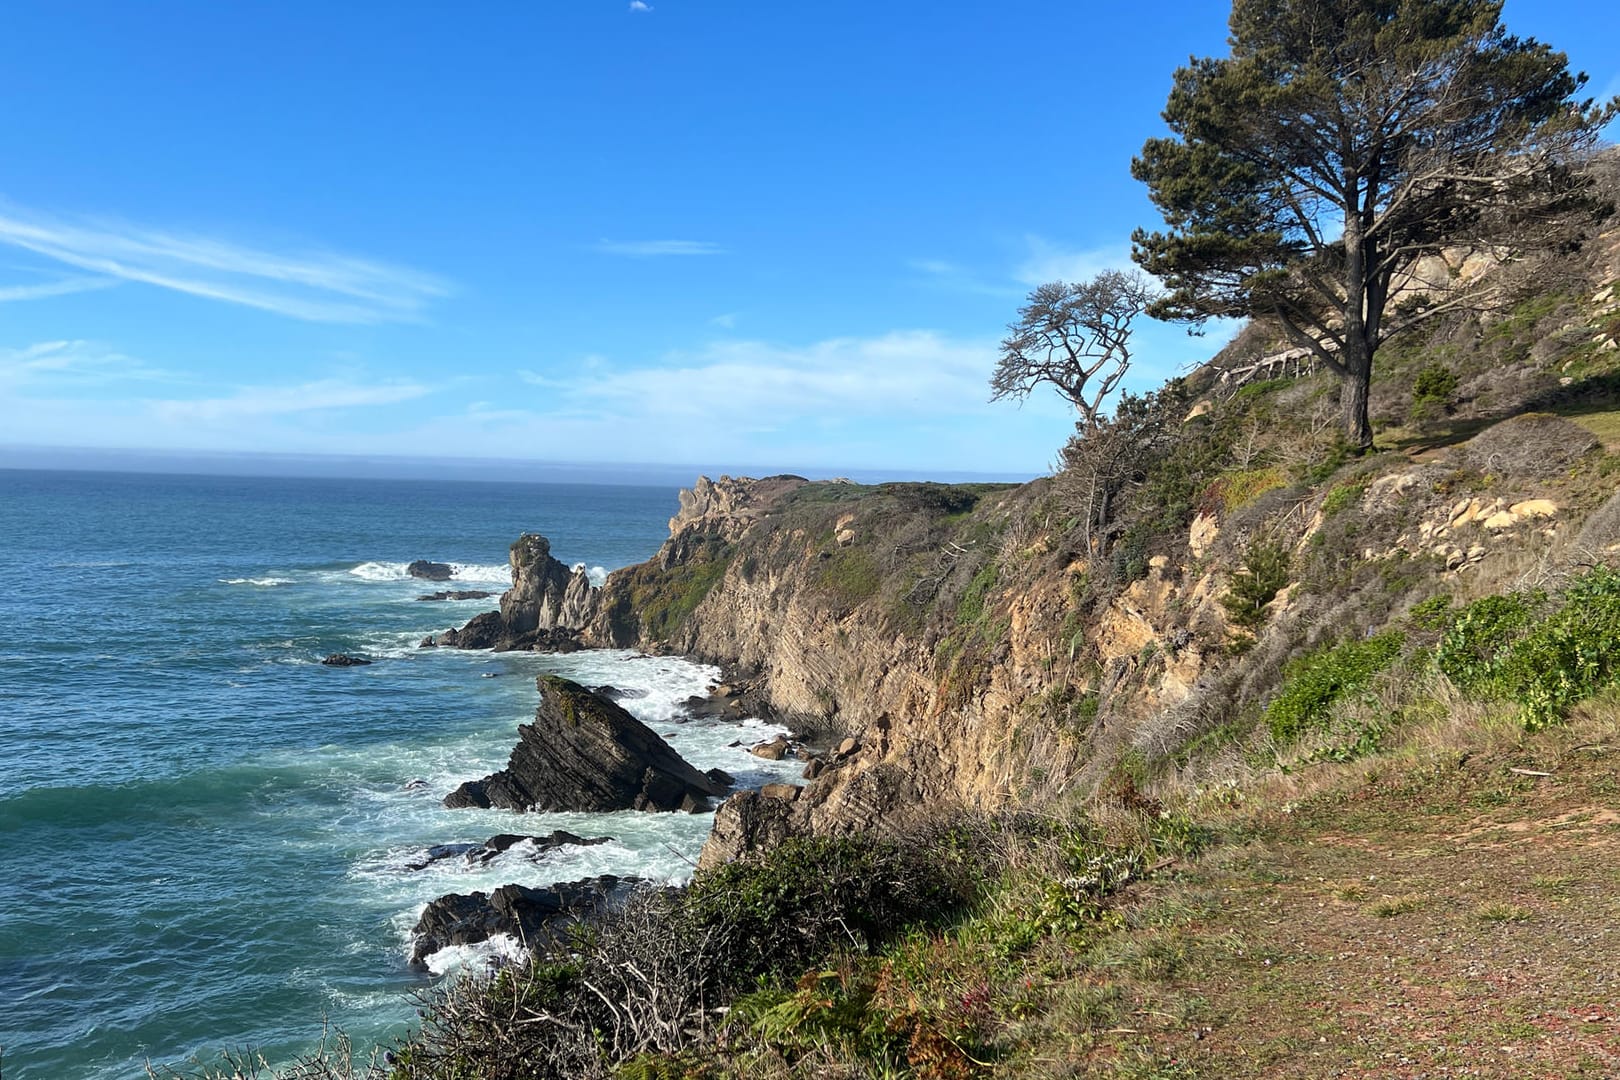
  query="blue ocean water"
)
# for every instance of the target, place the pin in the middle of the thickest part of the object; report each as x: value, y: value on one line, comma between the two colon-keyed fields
x: 205, y: 835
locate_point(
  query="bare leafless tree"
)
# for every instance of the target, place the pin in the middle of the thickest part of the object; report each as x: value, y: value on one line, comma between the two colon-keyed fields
x: 1075, y: 336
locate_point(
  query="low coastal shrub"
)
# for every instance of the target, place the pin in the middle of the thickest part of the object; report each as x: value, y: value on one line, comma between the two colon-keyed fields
x: 810, y: 895
x: 970, y: 608
x: 1432, y: 391
x: 1476, y: 639
x: 1342, y: 498
x: 1544, y: 655
x: 850, y: 576
x: 1234, y: 490
x: 1314, y: 682
x: 663, y: 601
x: 632, y: 992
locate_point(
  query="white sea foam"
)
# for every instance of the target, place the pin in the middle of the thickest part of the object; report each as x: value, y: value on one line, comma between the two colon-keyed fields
x: 261, y: 582
x: 486, y: 573
x: 391, y: 645
x: 498, y: 950
x: 397, y: 803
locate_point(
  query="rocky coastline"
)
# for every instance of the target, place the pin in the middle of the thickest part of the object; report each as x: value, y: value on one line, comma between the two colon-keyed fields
x: 583, y: 752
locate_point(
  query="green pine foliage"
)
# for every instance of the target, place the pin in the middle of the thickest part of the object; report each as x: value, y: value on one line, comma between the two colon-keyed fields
x: 1264, y: 573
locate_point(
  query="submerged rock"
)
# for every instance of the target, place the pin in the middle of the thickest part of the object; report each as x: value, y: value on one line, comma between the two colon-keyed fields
x: 338, y: 659
x: 430, y: 571
x: 525, y: 913
x: 614, y: 693
x: 585, y: 753
x: 476, y: 854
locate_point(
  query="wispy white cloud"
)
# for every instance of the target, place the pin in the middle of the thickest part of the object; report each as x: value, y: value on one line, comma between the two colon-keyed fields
x: 322, y: 394
x: 1046, y: 261
x: 317, y: 287
x: 78, y: 362
x: 728, y: 321
x: 640, y: 5
x: 646, y: 249
x: 913, y: 371
x: 63, y: 287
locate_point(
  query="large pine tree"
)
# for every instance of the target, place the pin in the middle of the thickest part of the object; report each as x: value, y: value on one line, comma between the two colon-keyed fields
x: 1340, y: 142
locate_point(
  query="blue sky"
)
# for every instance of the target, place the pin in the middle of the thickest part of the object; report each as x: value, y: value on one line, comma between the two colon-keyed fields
x: 726, y: 234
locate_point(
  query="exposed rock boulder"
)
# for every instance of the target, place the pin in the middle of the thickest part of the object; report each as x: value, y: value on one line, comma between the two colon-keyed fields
x: 489, y: 631
x: 457, y: 594
x: 484, y: 631
x: 525, y: 913
x: 749, y: 821
x: 774, y: 750
x: 430, y: 571
x: 338, y: 659
x: 585, y: 753
x: 841, y: 799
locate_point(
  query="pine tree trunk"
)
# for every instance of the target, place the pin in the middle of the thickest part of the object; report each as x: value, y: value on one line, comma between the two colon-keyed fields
x: 1353, y: 407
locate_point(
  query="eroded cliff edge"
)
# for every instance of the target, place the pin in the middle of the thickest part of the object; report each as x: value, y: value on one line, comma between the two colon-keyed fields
x: 976, y: 651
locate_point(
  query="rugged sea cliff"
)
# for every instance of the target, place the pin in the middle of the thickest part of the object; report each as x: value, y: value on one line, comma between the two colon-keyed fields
x: 964, y: 649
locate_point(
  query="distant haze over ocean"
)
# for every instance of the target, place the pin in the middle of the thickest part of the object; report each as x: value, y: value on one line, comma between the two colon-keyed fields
x: 382, y: 467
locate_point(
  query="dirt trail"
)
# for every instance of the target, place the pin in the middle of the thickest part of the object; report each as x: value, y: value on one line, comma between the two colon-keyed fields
x: 1455, y: 918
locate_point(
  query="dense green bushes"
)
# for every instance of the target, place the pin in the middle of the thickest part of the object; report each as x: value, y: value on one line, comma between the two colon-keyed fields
x: 810, y: 895
x: 648, y: 979
x: 1543, y: 654
x: 1314, y: 682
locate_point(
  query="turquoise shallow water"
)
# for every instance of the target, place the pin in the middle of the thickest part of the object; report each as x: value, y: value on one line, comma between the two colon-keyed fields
x: 204, y: 834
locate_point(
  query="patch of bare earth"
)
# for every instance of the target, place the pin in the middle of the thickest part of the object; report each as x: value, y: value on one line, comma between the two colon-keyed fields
x: 1459, y: 917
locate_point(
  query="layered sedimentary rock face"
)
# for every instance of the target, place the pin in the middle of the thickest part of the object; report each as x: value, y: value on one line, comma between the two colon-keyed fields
x: 585, y: 753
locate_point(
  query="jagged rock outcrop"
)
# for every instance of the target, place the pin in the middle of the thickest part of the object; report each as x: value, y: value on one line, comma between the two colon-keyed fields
x: 546, y: 609
x: 457, y: 594
x: 545, y: 594
x: 585, y: 753
x: 525, y: 913
x: 730, y: 505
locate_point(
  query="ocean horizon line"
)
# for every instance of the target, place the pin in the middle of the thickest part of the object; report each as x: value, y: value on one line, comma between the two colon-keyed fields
x: 284, y: 465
